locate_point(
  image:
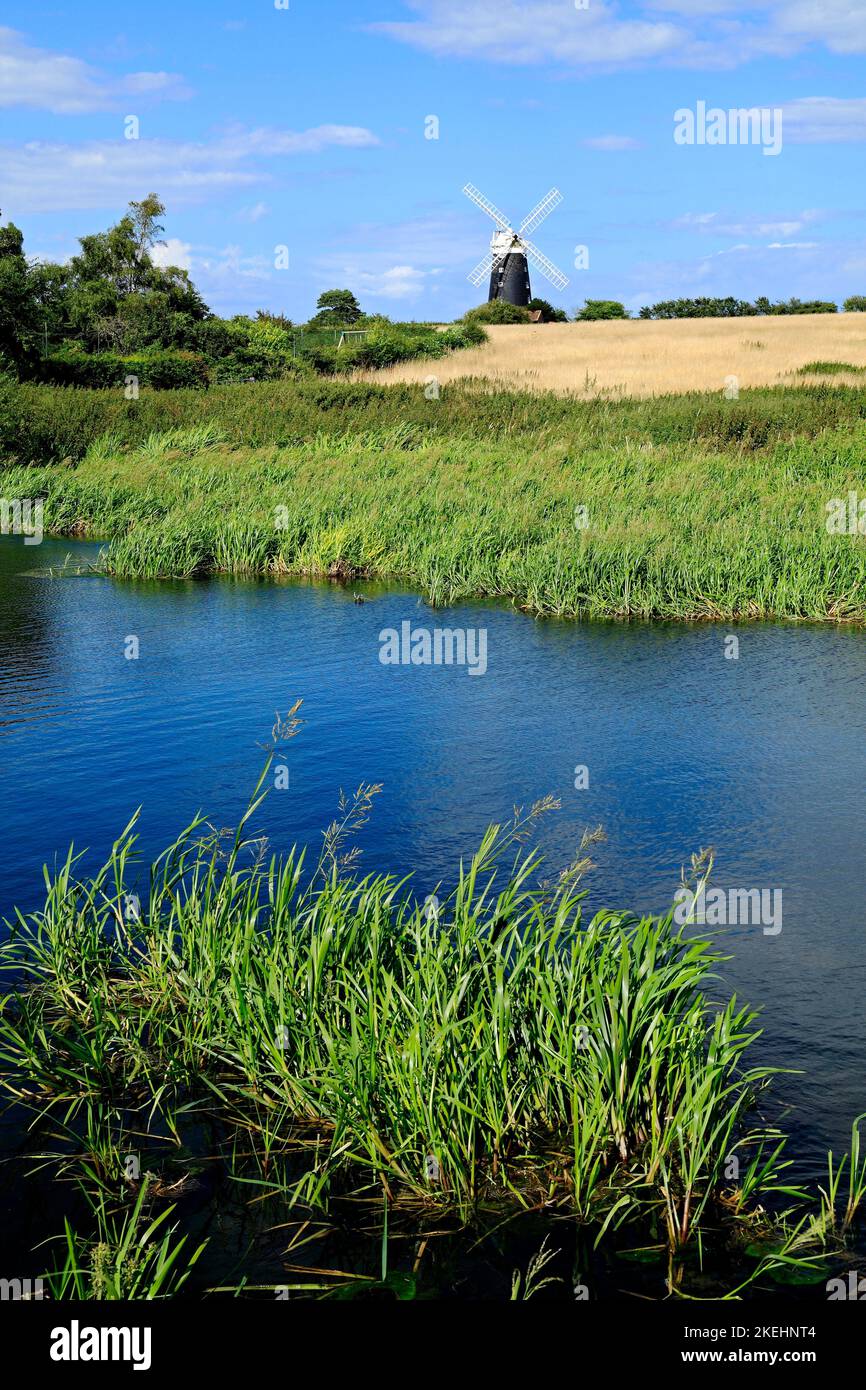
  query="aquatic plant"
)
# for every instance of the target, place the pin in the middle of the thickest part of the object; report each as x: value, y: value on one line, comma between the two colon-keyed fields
x: 655, y: 509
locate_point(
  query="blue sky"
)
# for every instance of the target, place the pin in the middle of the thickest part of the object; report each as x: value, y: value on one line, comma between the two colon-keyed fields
x: 305, y: 127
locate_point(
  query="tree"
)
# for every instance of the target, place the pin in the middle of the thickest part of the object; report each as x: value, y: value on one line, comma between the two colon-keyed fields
x: 856, y: 304
x: 19, y: 318
x: 548, y: 313
x: 601, y: 309
x: 337, y: 309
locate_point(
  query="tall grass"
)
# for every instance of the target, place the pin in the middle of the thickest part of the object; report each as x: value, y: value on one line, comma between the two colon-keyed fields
x: 44, y: 424
x: 622, y: 527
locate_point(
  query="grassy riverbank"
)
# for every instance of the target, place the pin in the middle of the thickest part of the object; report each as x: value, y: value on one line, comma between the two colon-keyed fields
x: 683, y: 507
x: 322, y: 1040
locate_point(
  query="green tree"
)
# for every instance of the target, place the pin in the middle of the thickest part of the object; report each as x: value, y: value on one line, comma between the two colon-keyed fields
x: 595, y: 309
x: 117, y: 296
x: 856, y: 304
x: 548, y: 313
x: 336, y: 309
x: 19, y: 317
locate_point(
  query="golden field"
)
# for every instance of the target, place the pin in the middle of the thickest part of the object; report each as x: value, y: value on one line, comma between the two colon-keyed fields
x: 647, y: 358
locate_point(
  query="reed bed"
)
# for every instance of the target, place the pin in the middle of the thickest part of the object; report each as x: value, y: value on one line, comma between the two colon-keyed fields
x: 495, y: 1052
x: 620, y: 526
x: 44, y: 424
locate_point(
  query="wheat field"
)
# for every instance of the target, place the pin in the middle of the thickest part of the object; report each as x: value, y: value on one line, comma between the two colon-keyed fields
x: 646, y: 358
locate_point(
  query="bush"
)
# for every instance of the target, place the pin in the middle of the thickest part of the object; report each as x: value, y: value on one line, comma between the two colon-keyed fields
x: 387, y: 344
x: 497, y: 311
x: 856, y: 304
x: 595, y: 309
x: 164, y: 370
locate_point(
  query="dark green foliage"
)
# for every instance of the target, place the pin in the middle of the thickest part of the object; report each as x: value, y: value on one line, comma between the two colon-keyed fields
x: 159, y: 368
x: 19, y: 318
x: 856, y: 304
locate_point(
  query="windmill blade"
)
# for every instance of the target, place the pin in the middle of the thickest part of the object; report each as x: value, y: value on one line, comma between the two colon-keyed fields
x: 486, y: 206
x: 538, y: 214
x: 483, y: 268
x: 547, y: 268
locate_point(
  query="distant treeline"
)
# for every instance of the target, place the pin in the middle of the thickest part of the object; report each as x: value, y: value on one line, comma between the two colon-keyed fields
x: 731, y: 308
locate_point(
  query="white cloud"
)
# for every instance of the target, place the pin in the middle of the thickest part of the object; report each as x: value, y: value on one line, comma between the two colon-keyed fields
x: 840, y: 24
x: 697, y: 33
x: 47, y: 177
x: 611, y: 143
x: 399, y: 282
x: 173, y: 251
x: 541, y: 31
x: 42, y: 80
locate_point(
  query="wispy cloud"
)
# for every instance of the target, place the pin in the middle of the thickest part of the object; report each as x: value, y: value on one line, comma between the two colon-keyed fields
x: 697, y: 33
x: 254, y: 213
x: 753, y: 225
x: 43, y: 80
x: 404, y: 260
x: 504, y: 32
x: 46, y: 177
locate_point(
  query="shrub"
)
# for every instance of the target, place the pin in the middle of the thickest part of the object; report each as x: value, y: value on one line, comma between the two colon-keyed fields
x: 595, y: 309
x: 497, y: 311
x: 856, y: 304
x: 70, y: 366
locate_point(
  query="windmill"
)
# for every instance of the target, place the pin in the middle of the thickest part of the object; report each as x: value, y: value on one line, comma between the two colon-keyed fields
x: 507, y: 261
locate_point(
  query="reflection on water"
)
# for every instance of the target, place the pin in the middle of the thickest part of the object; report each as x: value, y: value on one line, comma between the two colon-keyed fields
x: 762, y: 758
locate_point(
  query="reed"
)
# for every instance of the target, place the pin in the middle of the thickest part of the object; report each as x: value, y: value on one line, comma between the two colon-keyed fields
x: 615, y: 527
x: 502, y: 1053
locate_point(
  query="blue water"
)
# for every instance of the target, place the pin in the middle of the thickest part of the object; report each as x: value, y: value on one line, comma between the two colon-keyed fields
x: 763, y: 758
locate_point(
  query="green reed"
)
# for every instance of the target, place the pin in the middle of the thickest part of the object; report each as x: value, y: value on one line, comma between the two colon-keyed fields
x: 501, y: 1048
x: 672, y: 527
